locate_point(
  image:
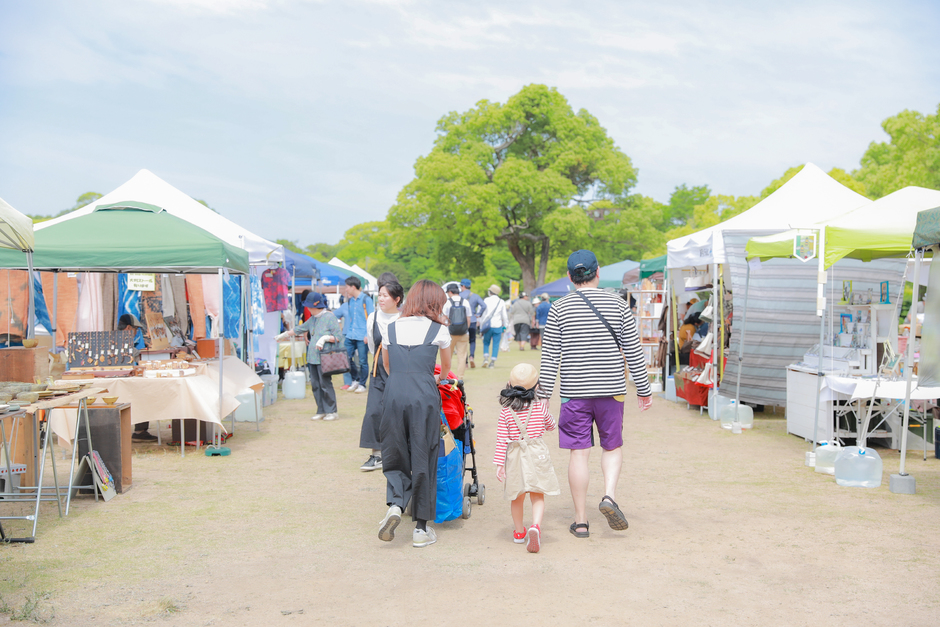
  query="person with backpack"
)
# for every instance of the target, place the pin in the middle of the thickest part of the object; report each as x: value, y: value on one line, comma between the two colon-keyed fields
x: 457, y: 310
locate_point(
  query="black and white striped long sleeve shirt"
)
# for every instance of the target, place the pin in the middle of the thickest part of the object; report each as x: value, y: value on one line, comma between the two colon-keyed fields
x: 575, y: 340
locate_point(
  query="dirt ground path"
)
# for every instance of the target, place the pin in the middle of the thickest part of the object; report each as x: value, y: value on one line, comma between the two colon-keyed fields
x: 724, y: 530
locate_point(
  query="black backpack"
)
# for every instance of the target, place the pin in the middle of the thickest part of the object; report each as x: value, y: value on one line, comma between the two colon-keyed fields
x: 459, y: 323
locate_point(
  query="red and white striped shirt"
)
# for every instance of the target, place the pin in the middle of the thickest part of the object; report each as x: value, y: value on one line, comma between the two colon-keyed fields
x: 506, y: 430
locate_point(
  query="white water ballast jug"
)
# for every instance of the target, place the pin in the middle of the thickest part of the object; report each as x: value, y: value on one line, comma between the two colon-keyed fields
x: 858, y: 467
x: 295, y: 385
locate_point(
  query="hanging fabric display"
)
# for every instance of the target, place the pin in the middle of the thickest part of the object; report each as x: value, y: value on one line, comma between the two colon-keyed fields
x: 88, y: 316
x: 197, y: 305
x: 64, y: 290
x: 128, y: 300
x: 276, y: 285
x: 257, y: 305
x: 42, y: 314
x: 232, y: 308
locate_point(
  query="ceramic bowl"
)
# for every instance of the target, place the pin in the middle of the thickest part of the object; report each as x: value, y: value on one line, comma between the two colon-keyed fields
x: 110, y: 400
x: 33, y: 343
x: 91, y: 400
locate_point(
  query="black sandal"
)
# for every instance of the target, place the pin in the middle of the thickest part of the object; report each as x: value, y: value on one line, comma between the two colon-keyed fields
x: 615, y: 518
x: 580, y: 534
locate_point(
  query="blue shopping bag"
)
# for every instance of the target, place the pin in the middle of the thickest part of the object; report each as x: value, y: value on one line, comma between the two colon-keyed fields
x: 449, y: 484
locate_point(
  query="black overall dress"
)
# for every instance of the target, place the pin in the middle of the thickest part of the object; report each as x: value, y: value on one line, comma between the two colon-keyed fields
x: 370, y: 436
x: 411, y: 425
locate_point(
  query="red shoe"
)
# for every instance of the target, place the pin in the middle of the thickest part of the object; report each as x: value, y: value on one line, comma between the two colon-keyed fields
x: 533, y: 539
x: 345, y: 387
x: 519, y: 536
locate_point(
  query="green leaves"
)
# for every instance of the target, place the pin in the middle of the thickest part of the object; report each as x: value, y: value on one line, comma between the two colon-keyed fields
x: 912, y: 157
x: 512, y: 173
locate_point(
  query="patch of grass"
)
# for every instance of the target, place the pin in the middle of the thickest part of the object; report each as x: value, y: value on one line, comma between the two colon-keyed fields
x: 167, y: 605
x: 31, y: 610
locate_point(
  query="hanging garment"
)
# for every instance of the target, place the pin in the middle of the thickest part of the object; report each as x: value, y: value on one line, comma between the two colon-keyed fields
x: 89, y: 316
x: 210, y: 295
x: 197, y: 305
x: 276, y: 285
x: 169, y: 306
x: 257, y: 305
x: 232, y: 293
x: 128, y: 300
x: 63, y: 291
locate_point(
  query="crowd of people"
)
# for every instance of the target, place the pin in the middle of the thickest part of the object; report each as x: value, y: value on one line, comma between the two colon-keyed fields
x: 588, y: 340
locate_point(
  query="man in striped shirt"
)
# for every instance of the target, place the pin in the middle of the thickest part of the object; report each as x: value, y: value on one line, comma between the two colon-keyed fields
x: 588, y: 335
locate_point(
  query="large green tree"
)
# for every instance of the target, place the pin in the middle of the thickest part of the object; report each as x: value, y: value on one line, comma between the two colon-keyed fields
x: 521, y: 173
x: 912, y: 157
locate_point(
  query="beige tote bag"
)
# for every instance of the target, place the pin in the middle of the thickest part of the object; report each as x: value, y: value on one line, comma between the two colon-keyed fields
x: 528, y: 465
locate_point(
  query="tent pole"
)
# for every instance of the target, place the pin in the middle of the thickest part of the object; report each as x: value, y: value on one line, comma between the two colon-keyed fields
x: 737, y: 386
x: 666, y: 303
x: 720, y: 326
x: 713, y: 329
x: 821, y: 312
x: 909, y: 360
x: 31, y: 292
x: 55, y: 306
x: 675, y: 316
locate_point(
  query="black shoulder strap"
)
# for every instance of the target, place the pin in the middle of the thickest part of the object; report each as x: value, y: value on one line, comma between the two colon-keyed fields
x: 601, y: 317
x: 432, y: 332
x: 392, y: 336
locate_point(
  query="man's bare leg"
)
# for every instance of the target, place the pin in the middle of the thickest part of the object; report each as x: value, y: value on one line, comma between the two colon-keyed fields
x: 611, y: 463
x: 578, y: 476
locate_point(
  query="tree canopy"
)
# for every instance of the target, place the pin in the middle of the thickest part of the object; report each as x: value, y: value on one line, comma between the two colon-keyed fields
x: 520, y: 173
x: 911, y: 157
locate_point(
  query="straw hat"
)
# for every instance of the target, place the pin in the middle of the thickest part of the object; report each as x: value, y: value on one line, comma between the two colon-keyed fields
x: 524, y: 375
x: 495, y: 289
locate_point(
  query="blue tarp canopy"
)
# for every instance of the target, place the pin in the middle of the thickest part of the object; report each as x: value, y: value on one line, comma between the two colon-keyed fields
x: 301, y: 266
x: 555, y: 288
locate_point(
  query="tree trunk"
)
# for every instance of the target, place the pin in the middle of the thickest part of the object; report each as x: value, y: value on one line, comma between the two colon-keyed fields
x: 526, y: 263
x: 543, y: 263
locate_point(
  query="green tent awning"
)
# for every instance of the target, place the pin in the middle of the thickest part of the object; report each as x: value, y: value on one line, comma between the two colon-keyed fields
x: 129, y: 237
x: 649, y: 267
x: 880, y: 229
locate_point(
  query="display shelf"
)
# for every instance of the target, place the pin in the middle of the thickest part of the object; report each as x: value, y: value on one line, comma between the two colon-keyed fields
x: 649, y: 304
x: 871, y: 326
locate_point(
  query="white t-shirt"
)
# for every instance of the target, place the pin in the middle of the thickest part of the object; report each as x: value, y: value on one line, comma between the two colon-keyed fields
x: 382, y: 319
x: 412, y: 330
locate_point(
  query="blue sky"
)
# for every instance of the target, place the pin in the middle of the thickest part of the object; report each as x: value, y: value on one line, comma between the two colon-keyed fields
x: 300, y: 119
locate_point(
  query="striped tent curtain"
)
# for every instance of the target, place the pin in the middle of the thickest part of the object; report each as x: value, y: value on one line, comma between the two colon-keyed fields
x: 781, y: 318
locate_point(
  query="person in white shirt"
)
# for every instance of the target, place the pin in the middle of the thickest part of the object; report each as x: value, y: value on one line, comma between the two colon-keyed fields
x: 459, y: 332
x: 390, y: 297
x: 493, y: 322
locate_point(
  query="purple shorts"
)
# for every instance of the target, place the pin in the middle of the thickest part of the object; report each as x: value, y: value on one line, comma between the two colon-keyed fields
x: 578, y: 416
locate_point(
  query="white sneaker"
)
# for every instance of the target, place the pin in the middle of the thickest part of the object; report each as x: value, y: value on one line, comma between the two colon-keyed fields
x: 317, y: 417
x: 423, y: 538
x: 330, y: 417
x: 361, y: 388
x: 389, y: 524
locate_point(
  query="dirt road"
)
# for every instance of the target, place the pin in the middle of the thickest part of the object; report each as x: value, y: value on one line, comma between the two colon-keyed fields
x: 724, y: 530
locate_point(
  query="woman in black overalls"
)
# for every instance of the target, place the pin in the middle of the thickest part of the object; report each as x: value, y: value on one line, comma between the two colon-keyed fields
x: 411, y: 416
x: 370, y: 436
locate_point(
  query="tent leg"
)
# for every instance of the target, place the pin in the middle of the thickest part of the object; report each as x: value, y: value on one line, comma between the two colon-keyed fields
x: 31, y: 292
x: 903, y: 483
x: 737, y: 386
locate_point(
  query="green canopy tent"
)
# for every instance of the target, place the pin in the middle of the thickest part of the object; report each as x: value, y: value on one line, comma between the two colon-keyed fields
x: 129, y: 237
x: 649, y: 267
x: 613, y: 275
x: 133, y: 236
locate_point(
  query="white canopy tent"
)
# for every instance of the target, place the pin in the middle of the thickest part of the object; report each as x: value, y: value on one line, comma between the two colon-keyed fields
x: 16, y: 233
x: 810, y: 196
x: 373, y: 283
x: 145, y: 186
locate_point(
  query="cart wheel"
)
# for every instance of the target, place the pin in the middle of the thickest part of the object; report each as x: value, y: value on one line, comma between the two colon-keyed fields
x: 481, y: 494
x: 466, y: 507
x: 466, y: 489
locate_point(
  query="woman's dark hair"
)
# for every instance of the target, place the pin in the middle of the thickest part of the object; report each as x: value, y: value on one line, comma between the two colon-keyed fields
x: 694, y: 318
x: 387, y: 277
x: 426, y: 298
x: 516, y: 397
x: 394, y: 289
